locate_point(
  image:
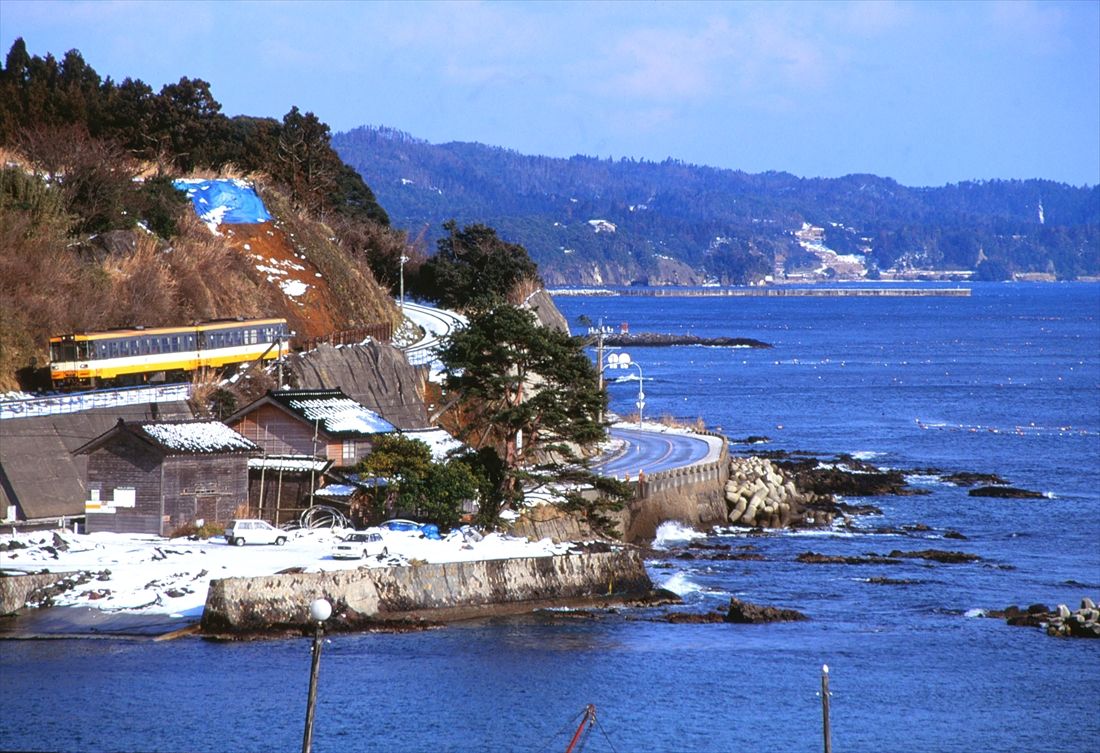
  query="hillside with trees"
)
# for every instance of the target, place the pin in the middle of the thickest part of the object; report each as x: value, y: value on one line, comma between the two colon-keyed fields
x: 93, y: 235
x: 586, y: 220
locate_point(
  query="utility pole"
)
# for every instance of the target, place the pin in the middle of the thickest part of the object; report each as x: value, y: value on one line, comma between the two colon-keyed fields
x: 404, y: 258
x: 313, y: 464
x: 599, y: 332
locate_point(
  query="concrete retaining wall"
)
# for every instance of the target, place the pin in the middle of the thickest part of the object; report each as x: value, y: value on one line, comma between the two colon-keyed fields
x: 693, y: 495
x: 438, y: 593
x: 16, y: 590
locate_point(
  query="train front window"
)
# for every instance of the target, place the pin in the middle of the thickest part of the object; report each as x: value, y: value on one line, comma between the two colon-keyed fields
x: 63, y: 351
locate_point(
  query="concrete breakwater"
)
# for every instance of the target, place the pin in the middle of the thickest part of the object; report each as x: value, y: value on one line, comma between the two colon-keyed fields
x: 759, y: 494
x: 367, y: 597
x: 794, y: 292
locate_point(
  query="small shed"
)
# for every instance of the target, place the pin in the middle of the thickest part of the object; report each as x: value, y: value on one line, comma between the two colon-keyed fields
x: 315, y: 423
x: 280, y: 485
x: 152, y: 477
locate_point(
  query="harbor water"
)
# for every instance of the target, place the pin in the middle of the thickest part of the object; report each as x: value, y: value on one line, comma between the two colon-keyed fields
x: 1004, y: 381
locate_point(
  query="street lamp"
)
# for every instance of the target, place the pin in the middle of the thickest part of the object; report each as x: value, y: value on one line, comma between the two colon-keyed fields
x: 622, y: 361
x: 319, y: 611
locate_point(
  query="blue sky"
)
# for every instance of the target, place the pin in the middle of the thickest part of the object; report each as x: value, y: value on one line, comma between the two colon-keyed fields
x: 926, y: 92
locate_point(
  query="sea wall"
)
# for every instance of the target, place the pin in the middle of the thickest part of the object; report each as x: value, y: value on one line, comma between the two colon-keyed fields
x: 692, y: 495
x: 367, y: 597
x: 17, y: 590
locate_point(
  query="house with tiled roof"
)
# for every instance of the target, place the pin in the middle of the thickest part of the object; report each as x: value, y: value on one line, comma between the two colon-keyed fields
x: 155, y: 476
x: 310, y: 423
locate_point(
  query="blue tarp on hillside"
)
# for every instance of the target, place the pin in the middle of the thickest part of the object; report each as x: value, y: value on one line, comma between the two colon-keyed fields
x: 230, y: 201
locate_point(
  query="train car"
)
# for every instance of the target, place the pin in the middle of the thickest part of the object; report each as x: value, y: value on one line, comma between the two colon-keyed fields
x: 158, y: 354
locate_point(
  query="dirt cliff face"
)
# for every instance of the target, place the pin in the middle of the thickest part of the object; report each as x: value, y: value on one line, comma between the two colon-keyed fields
x: 375, y: 374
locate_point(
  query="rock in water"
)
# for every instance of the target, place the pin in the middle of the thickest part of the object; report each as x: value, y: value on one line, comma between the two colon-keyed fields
x: 1004, y: 492
x: 745, y: 613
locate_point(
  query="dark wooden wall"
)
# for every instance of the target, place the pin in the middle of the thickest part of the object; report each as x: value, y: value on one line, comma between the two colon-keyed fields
x: 279, y: 433
x: 207, y: 486
x: 126, y: 462
x: 170, y: 490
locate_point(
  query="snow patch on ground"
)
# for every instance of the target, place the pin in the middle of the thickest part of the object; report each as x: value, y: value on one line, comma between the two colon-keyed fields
x: 143, y: 574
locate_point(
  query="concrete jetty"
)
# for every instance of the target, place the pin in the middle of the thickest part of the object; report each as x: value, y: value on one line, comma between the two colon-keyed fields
x: 796, y: 292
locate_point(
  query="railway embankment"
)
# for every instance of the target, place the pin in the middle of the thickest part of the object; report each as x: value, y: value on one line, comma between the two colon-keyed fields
x: 423, y: 593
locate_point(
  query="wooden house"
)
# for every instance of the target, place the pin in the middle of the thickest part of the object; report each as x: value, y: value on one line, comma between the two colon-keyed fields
x: 310, y: 423
x: 152, y: 477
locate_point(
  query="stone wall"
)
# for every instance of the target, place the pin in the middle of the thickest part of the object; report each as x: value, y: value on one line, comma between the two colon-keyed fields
x: 434, y: 592
x: 547, y: 521
x: 17, y: 590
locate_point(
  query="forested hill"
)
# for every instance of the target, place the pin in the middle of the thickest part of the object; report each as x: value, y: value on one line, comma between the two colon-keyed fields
x: 96, y: 234
x: 587, y: 220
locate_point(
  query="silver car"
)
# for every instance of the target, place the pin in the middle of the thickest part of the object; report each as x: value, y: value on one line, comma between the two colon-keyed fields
x: 253, y: 531
x: 360, y: 544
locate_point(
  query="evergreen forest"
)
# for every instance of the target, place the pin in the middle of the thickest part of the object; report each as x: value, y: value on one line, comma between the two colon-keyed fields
x: 586, y: 220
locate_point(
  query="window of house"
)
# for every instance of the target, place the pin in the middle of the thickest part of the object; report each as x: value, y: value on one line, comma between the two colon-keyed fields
x: 349, y: 451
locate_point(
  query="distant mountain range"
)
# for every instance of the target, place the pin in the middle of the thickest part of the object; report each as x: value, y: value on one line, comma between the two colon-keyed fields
x: 591, y: 221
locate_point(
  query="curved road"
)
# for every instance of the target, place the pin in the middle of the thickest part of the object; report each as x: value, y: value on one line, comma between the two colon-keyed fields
x: 437, y: 324
x: 653, y: 451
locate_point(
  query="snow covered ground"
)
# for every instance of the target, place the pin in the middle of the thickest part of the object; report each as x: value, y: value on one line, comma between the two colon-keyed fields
x: 143, y: 574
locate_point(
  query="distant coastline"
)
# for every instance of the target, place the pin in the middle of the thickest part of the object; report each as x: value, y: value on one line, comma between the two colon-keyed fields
x: 766, y: 292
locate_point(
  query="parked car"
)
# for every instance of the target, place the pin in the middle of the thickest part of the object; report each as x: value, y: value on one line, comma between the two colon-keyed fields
x: 253, y: 531
x: 399, y: 524
x: 359, y: 544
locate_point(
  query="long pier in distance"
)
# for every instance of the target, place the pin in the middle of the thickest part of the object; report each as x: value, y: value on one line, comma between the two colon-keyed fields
x: 794, y: 292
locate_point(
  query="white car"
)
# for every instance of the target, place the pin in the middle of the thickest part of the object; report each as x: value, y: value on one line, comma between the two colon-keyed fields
x: 360, y: 544
x: 253, y: 531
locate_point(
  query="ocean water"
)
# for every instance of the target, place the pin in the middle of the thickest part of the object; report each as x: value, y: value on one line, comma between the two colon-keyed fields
x: 1006, y: 381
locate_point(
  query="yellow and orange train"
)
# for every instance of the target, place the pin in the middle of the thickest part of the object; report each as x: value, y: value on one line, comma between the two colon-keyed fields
x: 157, y: 354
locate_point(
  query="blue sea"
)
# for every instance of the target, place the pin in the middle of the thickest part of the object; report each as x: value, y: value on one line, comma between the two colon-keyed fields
x: 1006, y: 381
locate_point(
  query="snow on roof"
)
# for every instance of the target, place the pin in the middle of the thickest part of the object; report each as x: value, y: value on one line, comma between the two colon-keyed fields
x: 335, y: 411
x: 438, y: 440
x: 293, y: 463
x: 335, y: 490
x: 196, y: 436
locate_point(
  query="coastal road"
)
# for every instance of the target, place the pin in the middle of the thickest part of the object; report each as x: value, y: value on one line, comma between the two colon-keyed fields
x: 653, y: 451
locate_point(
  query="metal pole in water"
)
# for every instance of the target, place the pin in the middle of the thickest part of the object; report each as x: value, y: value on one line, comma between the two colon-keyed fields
x: 319, y: 611
x: 825, y: 707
